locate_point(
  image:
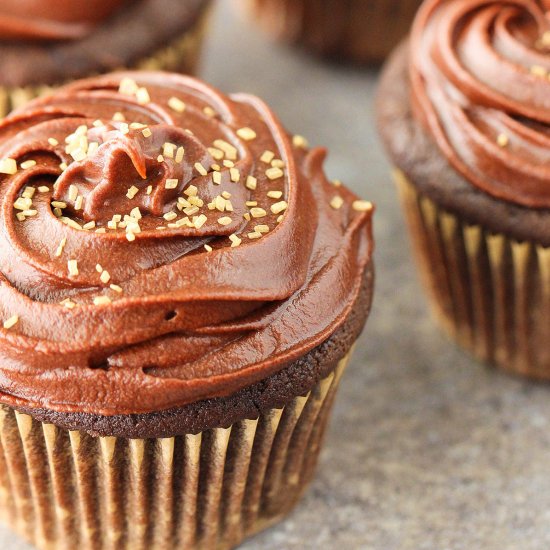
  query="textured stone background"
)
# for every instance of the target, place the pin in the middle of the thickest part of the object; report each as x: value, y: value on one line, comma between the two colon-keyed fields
x: 428, y: 450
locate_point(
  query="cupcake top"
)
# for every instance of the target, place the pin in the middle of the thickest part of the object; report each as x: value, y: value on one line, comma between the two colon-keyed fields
x: 52, y: 19
x: 162, y: 243
x: 480, y: 85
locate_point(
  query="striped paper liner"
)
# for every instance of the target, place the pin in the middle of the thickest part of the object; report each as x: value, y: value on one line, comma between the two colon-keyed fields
x: 490, y: 292
x: 64, y: 489
x: 181, y: 55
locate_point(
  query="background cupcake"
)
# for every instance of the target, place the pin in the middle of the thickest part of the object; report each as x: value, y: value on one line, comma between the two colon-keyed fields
x: 360, y: 31
x: 46, y: 43
x: 182, y: 281
x: 464, y: 110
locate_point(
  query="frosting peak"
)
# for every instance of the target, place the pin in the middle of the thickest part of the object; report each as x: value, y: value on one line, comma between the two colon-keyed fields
x: 480, y: 85
x: 162, y: 243
x: 52, y: 19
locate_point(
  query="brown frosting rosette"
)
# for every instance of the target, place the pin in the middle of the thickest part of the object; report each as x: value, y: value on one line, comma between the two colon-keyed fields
x: 52, y: 19
x: 162, y: 243
x: 480, y: 85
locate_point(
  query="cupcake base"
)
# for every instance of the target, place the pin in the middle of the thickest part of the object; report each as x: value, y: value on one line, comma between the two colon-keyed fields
x: 181, y: 55
x: 490, y: 292
x: 64, y: 489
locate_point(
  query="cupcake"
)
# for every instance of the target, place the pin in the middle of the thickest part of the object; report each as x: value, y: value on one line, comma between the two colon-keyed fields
x: 358, y: 31
x: 181, y: 290
x: 464, y: 109
x: 45, y: 43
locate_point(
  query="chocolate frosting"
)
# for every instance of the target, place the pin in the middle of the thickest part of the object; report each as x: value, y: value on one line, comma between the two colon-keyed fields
x: 216, y: 283
x: 479, y: 83
x: 52, y: 19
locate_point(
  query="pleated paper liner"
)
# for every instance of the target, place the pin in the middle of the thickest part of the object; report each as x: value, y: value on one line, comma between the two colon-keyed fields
x: 64, y: 489
x: 490, y: 292
x: 181, y: 55
x: 363, y: 31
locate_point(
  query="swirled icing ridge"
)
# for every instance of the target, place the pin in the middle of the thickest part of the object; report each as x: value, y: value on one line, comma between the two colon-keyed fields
x: 162, y: 243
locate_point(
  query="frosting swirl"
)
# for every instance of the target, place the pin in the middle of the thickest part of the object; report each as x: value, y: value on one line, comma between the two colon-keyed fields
x: 480, y: 85
x: 52, y: 19
x: 162, y: 243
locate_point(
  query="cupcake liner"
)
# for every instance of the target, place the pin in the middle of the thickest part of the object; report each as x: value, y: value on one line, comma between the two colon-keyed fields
x: 181, y: 55
x: 64, y: 489
x: 362, y: 31
x: 490, y: 292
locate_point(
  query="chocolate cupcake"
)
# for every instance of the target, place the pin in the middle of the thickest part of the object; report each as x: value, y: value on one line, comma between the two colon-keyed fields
x: 181, y: 289
x: 45, y: 43
x: 464, y: 109
x: 359, y: 31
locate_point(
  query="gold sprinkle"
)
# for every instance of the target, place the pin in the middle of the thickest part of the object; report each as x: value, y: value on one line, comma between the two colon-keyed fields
x: 21, y: 216
x: 53, y: 142
x: 226, y: 220
x: 137, y: 126
x: 29, y: 213
x: 246, y: 216
x: 147, y: 132
x: 101, y: 230
x: 228, y: 163
x: 201, y: 169
x: 191, y: 191
x: 43, y: 189
x: 235, y: 241
x: 22, y: 203
x: 258, y: 212
x: 337, y: 183
x: 254, y: 235
x: 28, y: 192
x: 176, y: 104
x: 127, y: 86
x: 217, y: 154
x: 116, y: 288
x: 362, y: 206
x: 78, y: 202
x: 102, y: 300
x: 538, y: 70
x: 98, y: 268
x: 299, y: 141
x: 246, y: 133
x: 59, y: 204
x: 280, y: 218
x: 28, y: 164
x: 130, y: 236
x: 251, y: 182
x: 136, y: 213
x: 199, y: 221
x: 160, y: 158
x: 105, y: 277
x: 337, y: 202
x: 208, y: 111
x: 132, y: 192
x: 235, y: 174
x: 274, y: 173
x: 502, y: 140
x: 11, y: 322
x: 179, y: 154
x: 277, y: 163
x: 171, y: 183
x: 149, y: 189
x: 251, y: 203
x: 217, y: 178
x: 8, y: 166
x: 89, y: 225
x: 73, y: 192
x: 169, y: 216
x: 168, y: 150
x: 261, y: 228
x: 68, y: 303
x: 208, y: 248
x: 229, y: 150
x: 267, y: 156
x: 72, y: 265
x: 71, y: 223
x: 279, y: 207
x: 274, y: 194
x: 63, y: 166
x: 142, y: 96
x: 61, y: 246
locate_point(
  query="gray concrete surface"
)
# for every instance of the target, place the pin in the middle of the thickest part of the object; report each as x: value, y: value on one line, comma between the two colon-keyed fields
x: 428, y: 450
